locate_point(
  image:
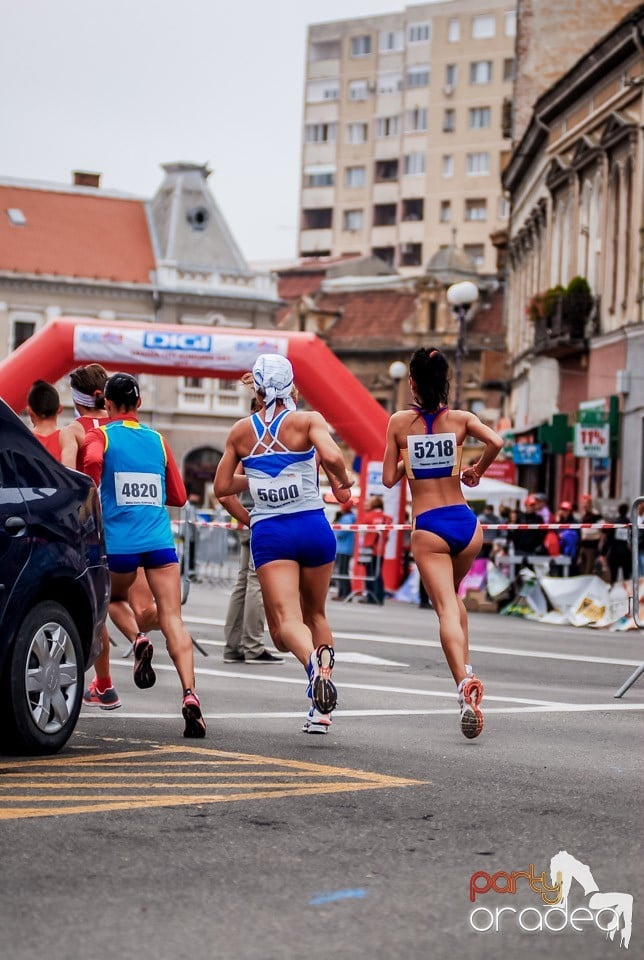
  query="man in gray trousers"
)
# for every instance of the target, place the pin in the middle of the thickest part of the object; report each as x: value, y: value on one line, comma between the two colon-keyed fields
x: 244, y: 627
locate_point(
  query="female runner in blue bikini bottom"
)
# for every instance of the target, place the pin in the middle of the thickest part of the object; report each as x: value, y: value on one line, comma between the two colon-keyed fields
x: 454, y: 524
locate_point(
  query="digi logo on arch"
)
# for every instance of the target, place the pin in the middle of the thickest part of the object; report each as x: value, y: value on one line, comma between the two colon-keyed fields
x: 192, y: 342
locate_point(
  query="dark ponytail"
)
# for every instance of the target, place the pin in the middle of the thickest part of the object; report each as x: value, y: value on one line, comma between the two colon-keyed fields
x: 428, y: 369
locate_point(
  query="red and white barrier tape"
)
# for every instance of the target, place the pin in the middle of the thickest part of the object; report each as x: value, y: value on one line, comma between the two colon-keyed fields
x: 222, y: 525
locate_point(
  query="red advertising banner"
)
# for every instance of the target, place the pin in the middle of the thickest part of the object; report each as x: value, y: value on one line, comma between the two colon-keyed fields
x: 504, y: 470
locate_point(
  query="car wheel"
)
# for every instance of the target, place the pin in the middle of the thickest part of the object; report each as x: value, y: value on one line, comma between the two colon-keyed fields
x: 43, y: 682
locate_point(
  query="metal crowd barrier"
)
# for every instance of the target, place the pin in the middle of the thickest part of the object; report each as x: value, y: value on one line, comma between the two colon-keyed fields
x: 635, y: 599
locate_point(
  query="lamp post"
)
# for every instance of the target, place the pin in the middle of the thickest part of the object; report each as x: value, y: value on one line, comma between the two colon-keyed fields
x: 460, y: 297
x: 397, y: 371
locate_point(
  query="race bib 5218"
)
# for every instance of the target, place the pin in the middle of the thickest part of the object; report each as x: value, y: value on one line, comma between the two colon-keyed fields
x: 432, y: 455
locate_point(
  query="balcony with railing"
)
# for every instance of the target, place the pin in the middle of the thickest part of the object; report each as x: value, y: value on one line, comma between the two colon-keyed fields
x: 567, y: 326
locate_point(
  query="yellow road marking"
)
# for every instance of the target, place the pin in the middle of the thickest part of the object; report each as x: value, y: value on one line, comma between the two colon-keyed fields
x: 53, y: 789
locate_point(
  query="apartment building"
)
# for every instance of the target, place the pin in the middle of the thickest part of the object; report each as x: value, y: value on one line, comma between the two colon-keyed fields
x: 405, y: 132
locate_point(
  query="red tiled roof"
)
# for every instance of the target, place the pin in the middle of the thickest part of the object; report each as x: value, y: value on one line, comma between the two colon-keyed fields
x: 299, y: 285
x: 367, y: 315
x: 75, y: 235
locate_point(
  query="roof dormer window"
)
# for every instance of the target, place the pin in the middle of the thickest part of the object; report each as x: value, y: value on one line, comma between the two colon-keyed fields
x: 197, y: 218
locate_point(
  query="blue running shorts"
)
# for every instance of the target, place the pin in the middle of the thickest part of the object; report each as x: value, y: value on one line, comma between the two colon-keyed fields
x: 454, y: 524
x: 128, y: 562
x: 306, y: 538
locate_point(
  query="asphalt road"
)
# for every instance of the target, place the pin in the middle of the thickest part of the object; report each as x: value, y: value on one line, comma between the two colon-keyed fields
x: 261, y: 843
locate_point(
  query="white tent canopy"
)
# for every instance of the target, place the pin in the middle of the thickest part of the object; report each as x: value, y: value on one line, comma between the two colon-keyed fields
x: 496, y: 492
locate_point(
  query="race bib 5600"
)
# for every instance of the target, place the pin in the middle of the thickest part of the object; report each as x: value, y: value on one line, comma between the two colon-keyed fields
x: 275, y: 492
x: 134, y: 489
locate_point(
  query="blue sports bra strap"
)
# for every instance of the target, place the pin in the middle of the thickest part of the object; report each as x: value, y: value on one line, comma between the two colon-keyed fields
x: 258, y: 425
x: 274, y: 427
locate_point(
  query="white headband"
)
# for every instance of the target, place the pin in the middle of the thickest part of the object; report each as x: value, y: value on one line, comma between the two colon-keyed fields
x: 273, y: 375
x: 83, y: 399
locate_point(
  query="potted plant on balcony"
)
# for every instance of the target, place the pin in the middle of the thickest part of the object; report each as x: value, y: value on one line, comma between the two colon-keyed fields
x: 577, y: 302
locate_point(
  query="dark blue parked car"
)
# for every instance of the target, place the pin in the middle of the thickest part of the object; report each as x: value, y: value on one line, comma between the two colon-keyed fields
x: 54, y: 591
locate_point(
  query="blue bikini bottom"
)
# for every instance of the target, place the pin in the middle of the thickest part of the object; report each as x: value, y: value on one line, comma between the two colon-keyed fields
x: 454, y: 524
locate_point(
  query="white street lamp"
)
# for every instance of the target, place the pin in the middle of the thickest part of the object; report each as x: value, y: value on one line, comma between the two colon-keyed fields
x: 460, y: 297
x: 397, y: 370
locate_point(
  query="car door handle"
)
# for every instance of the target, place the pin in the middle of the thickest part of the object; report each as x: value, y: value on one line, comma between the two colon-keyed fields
x: 15, y: 526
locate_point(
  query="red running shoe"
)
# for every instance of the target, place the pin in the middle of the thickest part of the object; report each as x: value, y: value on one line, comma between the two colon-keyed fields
x: 108, y: 700
x: 470, y: 694
x: 191, y: 710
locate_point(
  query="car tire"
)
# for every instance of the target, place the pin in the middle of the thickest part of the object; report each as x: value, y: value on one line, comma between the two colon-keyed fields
x: 42, y: 685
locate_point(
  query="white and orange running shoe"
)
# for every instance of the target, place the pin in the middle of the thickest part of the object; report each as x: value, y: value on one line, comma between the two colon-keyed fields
x: 470, y: 694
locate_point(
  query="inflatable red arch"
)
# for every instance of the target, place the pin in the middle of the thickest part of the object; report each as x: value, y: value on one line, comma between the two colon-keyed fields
x: 193, y: 351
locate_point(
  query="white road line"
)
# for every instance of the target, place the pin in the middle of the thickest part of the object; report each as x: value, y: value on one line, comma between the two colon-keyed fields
x: 474, y: 648
x: 359, y: 714
x: 374, y: 687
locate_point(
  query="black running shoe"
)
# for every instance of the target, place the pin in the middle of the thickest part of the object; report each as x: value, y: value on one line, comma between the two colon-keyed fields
x: 144, y: 675
x: 191, y: 710
x: 322, y: 689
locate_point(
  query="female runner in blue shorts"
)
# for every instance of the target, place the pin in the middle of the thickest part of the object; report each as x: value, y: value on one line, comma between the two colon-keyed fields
x: 425, y: 444
x: 293, y: 546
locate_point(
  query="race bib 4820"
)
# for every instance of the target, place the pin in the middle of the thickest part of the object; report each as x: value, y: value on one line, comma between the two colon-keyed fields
x: 135, y: 489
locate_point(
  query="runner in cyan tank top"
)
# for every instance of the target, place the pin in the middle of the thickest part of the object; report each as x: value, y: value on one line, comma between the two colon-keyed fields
x: 137, y: 476
x: 87, y: 384
x: 425, y: 444
x: 275, y: 455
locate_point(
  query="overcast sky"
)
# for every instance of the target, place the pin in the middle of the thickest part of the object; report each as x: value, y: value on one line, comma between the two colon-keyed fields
x: 121, y: 86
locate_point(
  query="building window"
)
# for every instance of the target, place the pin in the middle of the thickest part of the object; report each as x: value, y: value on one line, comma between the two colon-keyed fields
x: 319, y: 133
x: 355, y: 176
x: 477, y: 164
x: 479, y: 118
x: 387, y: 126
x: 386, y: 170
x: 447, y: 165
x: 22, y: 328
x: 389, y: 83
x: 454, y: 30
x: 476, y: 253
x: 508, y: 68
x: 418, y: 76
x: 510, y: 23
x: 392, y: 41
x: 411, y: 254
x: 226, y: 398
x: 419, y: 32
x: 358, y: 90
x: 476, y: 209
x: 449, y: 121
x: 352, y: 220
x: 413, y: 164
x: 356, y: 133
x: 483, y: 26
x: 504, y: 208
x: 445, y: 211
x: 450, y: 76
x: 481, y: 71
x: 324, y: 50
x: 319, y: 175
x: 361, y: 46
x: 416, y: 120
x: 320, y: 90
x: 413, y: 208
x: 384, y: 253
x: 384, y: 215
x: 317, y: 218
